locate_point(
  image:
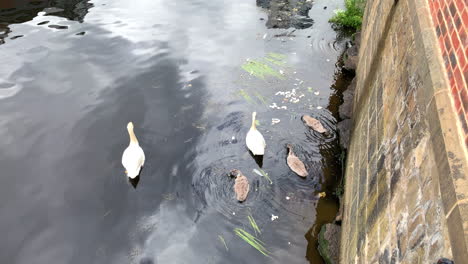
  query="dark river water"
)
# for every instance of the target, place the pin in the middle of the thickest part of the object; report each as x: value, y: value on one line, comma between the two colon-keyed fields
x: 73, y: 73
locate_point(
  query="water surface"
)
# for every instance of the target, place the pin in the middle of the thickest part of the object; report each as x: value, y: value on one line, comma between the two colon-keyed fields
x: 73, y: 73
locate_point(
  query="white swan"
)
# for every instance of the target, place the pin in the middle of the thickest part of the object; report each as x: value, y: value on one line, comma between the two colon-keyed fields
x: 254, y: 140
x: 133, y: 157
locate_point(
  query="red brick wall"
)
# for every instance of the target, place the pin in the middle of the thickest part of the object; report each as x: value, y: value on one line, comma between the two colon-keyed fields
x: 450, y: 19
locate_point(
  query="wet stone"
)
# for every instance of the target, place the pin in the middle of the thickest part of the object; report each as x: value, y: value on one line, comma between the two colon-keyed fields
x: 329, y: 243
x: 344, y: 129
x: 351, y: 58
x: 286, y: 14
x: 346, y: 109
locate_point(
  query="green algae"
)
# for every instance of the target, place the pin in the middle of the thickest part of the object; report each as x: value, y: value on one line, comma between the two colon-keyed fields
x: 260, y: 69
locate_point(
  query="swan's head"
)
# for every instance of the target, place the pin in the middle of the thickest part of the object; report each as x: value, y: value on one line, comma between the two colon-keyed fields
x: 254, y: 115
x: 130, y: 126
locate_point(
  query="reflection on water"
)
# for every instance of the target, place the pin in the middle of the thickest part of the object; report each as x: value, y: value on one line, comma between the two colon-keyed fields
x: 82, y: 70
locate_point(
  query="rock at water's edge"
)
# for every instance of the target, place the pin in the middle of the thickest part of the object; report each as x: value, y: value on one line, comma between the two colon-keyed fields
x: 351, y: 54
x: 329, y: 243
x: 344, y: 128
x: 346, y: 109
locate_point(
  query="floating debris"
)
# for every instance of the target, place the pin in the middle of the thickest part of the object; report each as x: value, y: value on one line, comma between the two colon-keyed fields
x: 241, y: 185
x: 274, y: 217
x: 169, y: 196
x: 281, y: 72
x: 264, y: 36
x: 263, y: 174
x: 322, y: 194
x: 295, y: 163
x: 253, y: 241
x: 221, y: 238
x: 313, y: 123
x: 275, y: 106
x: 275, y: 121
x: 317, y: 93
x: 233, y: 213
x: 287, y: 197
x: 319, y: 107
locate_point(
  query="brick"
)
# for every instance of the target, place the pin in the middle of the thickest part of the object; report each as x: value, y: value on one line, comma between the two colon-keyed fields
x: 461, y: 58
x: 453, y: 9
x: 440, y: 17
x: 460, y: 6
x: 465, y: 74
x: 464, y: 99
x: 461, y: 117
x: 453, y: 59
x: 458, y: 77
x: 455, y: 41
x: 447, y: 62
x: 462, y: 36
x: 448, y: 19
x: 464, y: 17
x: 452, y: 81
x: 457, y: 22
x: 456, y: 99
x: 447, y: 43
x: 443, y: 29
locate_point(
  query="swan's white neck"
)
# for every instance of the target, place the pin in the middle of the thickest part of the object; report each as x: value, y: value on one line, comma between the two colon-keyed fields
x: 133, y: 138
x: 254, y: 114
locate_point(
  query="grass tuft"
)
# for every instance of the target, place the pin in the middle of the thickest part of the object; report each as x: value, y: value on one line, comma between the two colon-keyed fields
x: 351, y: 17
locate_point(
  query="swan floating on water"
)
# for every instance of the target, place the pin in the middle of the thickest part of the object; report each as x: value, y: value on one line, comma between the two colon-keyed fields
x: 133, y: 157
x: 254, y: 140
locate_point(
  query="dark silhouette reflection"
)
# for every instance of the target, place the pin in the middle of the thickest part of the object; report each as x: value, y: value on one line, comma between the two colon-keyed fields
x: 20, y: 11
x: 258, y: 159
x: 134, y: 182
x: 287, y: 13
x: 147, y: 261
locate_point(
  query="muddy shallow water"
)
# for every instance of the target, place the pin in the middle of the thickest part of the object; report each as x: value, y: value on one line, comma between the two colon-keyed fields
x: 73, y: 73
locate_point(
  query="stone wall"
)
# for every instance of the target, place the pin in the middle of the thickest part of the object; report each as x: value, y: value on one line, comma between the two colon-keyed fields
x: 405, y: 196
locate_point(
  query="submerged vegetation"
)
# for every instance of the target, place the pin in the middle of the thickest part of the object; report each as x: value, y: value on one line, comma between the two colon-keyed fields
x: 221, y: 238
x: 262, y: 68
x: 254, y: 224
x: 263, y: 174
x: 351, y: 17
x: 252, y: 240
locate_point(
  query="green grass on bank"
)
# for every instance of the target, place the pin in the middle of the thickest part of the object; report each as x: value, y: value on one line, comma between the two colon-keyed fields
x: 351, y: 17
